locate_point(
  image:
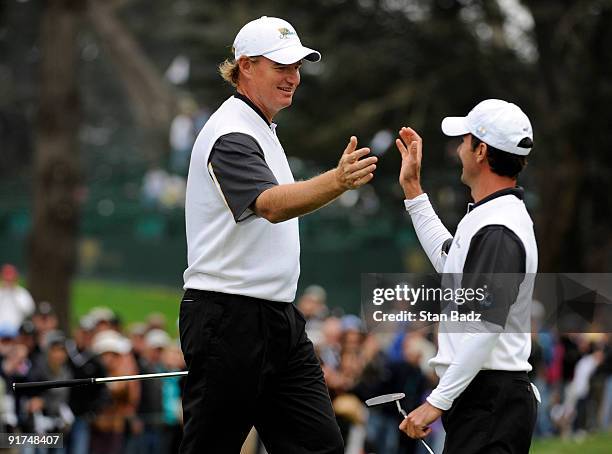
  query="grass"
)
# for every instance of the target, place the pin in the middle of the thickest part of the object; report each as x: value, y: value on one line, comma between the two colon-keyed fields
x: 592, y: 444
x: 132, y: 302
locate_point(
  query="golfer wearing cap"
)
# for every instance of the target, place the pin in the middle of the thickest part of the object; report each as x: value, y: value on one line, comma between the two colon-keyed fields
x: 485, y: 400
x: 250, y: 362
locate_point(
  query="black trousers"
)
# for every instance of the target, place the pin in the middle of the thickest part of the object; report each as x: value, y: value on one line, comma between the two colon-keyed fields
x: 251, y: 364
x: 495, y: 414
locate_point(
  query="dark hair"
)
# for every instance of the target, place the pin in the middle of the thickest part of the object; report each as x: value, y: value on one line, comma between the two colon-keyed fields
x: 503, y: 163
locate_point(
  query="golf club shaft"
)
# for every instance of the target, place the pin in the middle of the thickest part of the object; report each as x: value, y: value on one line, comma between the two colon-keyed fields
x: 405, y: 415
x: 141, y: 377
x: 427, y: 447
x: 92, y: 381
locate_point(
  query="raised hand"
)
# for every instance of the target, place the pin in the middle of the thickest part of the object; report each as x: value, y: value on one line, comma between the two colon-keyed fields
x: 410, y: 146
x: 352, y: 171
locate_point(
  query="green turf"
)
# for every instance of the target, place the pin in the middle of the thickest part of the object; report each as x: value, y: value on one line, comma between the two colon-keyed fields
x: 592, y: 444
x: 132, y: 302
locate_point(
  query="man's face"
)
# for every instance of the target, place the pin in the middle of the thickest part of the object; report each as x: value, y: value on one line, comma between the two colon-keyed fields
x: 57, y: 355
x: 9, y: 275
x: 467, y: 156
x: 273, y: 84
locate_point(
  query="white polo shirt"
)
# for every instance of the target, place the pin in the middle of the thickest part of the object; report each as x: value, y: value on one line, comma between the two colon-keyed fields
x: 236, y: 156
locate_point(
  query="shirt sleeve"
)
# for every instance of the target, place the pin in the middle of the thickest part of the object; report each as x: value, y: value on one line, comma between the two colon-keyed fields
x: 496, y: 259
x: 238, y: 166
x: 433, y: 236
x: 474, y: 350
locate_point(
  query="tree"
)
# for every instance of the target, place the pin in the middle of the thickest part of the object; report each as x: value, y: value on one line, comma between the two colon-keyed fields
x: 53, y: 241
x: 573, y: 40
x: 54, y: 236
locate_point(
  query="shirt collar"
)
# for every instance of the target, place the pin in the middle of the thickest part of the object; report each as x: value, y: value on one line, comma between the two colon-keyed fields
x: 516, y: 191
x: 252, y: 105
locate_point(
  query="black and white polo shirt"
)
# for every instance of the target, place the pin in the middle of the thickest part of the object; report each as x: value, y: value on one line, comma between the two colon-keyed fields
x: 236, y: 157
x: 495, y: 237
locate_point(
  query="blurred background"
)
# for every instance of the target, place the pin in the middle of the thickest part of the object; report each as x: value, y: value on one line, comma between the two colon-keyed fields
x: 101, y: 100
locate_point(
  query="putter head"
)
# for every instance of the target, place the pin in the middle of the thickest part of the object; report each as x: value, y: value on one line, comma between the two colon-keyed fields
x: 384, y: 399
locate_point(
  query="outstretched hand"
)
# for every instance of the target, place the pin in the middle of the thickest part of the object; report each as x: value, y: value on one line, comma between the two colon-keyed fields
x: 352, y: 171
x: 410, y: 146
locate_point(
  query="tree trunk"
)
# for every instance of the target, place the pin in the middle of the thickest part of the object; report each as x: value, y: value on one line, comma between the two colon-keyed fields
x: 53, y: 241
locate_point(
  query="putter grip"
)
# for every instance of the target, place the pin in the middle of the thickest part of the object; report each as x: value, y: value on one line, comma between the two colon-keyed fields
x: 54, y: 384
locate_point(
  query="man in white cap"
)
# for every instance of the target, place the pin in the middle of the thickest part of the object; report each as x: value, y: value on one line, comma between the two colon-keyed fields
x: 250, y: 362
x: 484, y: 396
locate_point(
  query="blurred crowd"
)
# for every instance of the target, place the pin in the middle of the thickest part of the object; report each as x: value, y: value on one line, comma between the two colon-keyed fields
x: 127, y: 417
x: 163, y: 186
x: 573, y: 373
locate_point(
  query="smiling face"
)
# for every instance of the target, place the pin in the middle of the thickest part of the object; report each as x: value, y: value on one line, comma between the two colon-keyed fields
x: 268, y: 84
x: 469, y: 160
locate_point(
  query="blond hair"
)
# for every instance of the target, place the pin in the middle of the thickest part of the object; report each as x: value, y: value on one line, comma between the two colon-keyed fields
x: 230, y: 70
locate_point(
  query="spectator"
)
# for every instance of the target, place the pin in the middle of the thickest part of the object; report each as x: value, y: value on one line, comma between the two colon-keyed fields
x: 49, y: 412
x: 102, y: 319
x: 148, y: 424
x: 28, y: 336
x: 16, y: 303
x: 579, y: 387
x: 156, y: 320
x: 329, y: 349
x: 107, y: 433
x: 403, y: 376
x: 312, y: 305
x: 182, y: 136
x: 153, y: 185
x: 44, y: 320
x: 606, y: 370
x: 353, y: 331
x: 136, y: 334
x: 84, y: 401
x: 15, y: 369
x: 3, y: 409
x: 172, y: 360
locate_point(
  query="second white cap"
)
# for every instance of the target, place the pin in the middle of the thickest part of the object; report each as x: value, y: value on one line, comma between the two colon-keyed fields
x: 498, y: 123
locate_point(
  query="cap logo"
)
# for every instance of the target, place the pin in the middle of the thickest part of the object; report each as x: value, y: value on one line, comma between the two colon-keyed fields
x: 285, y: 33
x: 482, y: 130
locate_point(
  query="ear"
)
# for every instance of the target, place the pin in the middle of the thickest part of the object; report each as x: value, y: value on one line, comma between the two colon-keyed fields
x: 481, y: 152
x: 246, y: 67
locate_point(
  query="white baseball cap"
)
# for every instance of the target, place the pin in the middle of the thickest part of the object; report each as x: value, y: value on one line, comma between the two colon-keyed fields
x: 157, y: 338
x: 272, y: 38
x: 498, y: 123
x: 110, y: 341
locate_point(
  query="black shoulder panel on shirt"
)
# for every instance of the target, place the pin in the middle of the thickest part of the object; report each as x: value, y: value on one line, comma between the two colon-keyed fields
x: 495, y: 249
x: 239, y: 166
x: 496, y: 258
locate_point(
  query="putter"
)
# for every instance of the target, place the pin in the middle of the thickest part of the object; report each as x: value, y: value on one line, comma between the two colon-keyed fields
x: 396, y: 397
